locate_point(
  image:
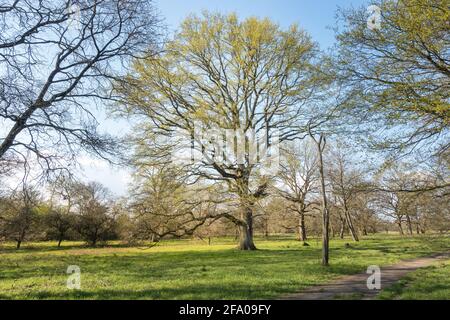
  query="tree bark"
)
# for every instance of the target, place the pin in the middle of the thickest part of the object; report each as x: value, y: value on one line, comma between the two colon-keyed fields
x: 246, y: 230
x: 400, y: 228
x: 246, y: 214
x: 19, y: 125
x: 325, y: 213
x: 409, y: 224
x: 342, y: 231
x: 348, y: 218
x: 21, y: 238
x: 364, y: 230
x: 266, y: 228
x: 302, y: 228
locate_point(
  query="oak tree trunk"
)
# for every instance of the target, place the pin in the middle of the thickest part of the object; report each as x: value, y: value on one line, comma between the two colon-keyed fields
x: 246, y: 230
x: 302, y: 229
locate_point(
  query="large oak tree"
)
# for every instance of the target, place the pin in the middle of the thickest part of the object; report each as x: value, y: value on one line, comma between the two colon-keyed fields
x: 218, y: 72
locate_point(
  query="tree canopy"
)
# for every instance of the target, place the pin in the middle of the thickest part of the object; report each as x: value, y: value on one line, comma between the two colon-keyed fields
x: 400, y: 72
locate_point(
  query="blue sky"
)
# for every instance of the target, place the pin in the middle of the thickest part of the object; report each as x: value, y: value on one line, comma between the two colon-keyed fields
x: 312, y: 15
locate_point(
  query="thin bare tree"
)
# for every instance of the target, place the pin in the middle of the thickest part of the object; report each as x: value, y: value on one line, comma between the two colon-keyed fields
x: 58, y: 59
x: 320, y: 143
x: 298, y: 179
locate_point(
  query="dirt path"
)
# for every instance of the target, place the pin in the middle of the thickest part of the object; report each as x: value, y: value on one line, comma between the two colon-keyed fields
x: 355, y: 286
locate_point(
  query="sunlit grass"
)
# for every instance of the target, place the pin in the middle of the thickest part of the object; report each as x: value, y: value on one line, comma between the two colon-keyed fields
x: 424, y: 284
x: 192, y: 269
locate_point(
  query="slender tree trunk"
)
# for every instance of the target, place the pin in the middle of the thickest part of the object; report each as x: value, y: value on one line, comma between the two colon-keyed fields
x: 300, y: 236
x: 409, y: 224
x: 302, y: 228
x: 59, y: 242
x: 22, y: 236
x: 333, y: 231
x: 348, y: 218
x: 342, y: 231
x: 399, y: 224
x: 266, y: 228
x: 325, y: 212
x: 95, y: 237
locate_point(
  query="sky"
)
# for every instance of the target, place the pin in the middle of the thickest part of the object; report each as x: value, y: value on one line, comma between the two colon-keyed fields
x: 315, y: 16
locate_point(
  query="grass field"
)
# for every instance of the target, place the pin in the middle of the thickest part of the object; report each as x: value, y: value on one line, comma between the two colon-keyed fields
x: 423, y: 284
x: 188, y: 269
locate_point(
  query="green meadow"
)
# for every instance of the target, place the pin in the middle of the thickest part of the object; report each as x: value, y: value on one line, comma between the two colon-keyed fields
x: 192, y: 269
x: 432, y: 283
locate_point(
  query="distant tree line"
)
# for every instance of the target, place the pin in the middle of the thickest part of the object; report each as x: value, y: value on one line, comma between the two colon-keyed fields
x: 161, y: 207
